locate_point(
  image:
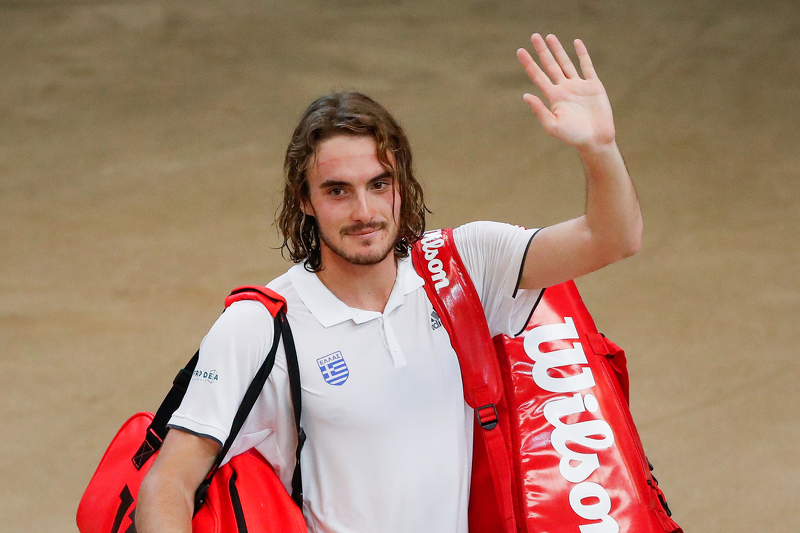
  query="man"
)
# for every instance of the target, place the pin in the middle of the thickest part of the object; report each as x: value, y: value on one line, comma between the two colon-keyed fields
x: 389, y: 444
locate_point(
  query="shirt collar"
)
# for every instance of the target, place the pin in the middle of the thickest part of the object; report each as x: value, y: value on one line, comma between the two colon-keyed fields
x: 329, y: 310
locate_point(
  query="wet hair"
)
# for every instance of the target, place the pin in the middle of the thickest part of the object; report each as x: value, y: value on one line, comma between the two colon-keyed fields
x: 354, y: 114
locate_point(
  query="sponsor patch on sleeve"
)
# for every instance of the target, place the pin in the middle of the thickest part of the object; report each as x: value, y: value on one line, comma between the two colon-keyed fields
x: 208, y: 376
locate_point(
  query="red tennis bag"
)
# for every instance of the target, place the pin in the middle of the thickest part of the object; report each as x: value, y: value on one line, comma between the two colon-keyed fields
x: 555, y: 447
x: 243, y: 495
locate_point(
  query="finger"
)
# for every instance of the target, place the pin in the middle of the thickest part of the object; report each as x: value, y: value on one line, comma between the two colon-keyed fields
x: 544, y: 115
x: 549, y: 64
x: 561, y: 56
x: 532, y: 70
x: 585, y: 61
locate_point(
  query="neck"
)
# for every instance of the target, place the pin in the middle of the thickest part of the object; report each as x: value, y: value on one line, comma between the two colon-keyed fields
x: 366, y: 287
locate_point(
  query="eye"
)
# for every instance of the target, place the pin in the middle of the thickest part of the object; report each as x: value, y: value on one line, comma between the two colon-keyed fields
x: 336, y: 191
x: 382, y: 185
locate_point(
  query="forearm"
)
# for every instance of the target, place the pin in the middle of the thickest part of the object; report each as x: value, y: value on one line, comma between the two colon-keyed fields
x: 613, y: 216
x: 166, y: 496
x: 165, y: 506
x: 610, y: 229
x: 580, y: 115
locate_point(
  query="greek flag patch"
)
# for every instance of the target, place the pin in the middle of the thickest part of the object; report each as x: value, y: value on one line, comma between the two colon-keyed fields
x: 334, y: 368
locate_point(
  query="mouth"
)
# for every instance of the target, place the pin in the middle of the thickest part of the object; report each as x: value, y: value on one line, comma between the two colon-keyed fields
x: 363, y: 230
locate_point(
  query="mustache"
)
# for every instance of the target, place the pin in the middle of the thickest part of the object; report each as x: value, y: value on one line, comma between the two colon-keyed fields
x: 361, y: 226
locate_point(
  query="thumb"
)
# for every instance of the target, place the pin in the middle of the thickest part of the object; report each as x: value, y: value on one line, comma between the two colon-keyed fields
x: 541, y: 111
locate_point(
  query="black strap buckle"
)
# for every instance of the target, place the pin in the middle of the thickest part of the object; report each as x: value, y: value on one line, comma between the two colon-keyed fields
x: 487, y: 416
x: 182, y: 379
x: 149, y: 446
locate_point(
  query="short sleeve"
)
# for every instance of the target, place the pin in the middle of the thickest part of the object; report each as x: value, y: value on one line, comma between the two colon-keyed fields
x: 230, y: 355
x: 493, y: 254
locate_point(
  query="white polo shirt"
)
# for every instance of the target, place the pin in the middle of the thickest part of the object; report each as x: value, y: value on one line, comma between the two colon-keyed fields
x: 389, y: 444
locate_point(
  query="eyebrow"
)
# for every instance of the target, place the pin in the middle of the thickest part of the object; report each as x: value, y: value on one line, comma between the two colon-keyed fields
x: 338, y: 183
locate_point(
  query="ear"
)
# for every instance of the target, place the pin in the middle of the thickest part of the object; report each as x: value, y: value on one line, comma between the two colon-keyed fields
x: 308, y: 209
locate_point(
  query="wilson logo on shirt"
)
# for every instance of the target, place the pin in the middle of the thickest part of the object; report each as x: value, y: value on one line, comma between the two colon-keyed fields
x: 334, y: 368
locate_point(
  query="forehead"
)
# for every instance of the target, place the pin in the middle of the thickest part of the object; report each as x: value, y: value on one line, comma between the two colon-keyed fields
x: 345, y: 156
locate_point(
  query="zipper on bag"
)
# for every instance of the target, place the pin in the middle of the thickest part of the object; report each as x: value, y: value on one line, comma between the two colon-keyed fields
x: 236, y: 501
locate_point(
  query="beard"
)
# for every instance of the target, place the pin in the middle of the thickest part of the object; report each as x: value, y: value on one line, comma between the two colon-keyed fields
x: 361, y: 259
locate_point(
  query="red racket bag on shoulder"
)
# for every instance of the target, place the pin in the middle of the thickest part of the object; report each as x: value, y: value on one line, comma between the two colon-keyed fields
x: 245, y: 494
x: 555, y: 447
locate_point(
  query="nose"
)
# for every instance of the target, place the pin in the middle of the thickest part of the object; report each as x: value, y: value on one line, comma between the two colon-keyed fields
x: 363, y: 210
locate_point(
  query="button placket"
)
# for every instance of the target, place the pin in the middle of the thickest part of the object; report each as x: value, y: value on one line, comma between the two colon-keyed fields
x: 398, y: 358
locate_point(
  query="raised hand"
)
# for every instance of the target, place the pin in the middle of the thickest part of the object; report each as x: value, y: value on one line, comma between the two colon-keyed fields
x: 579, y: 112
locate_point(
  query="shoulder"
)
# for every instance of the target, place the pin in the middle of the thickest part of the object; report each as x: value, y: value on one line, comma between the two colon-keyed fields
x: 490, y: 237
x: 283, y: 283
x: 245, y: 321
x: 487, y: 230
x: 245, y: 313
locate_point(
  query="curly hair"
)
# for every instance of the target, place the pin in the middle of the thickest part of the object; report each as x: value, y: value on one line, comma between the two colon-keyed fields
x: 354, y: 114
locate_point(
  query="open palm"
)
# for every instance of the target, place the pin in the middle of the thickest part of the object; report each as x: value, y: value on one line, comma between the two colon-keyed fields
x: 579, y: 112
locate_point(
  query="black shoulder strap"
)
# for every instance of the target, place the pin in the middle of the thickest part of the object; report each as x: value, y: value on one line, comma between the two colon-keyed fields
x: 277, y: 306
x: 248, y: 401
x: 157, y: 430
x: 158, y: 427
x: 293, y: 369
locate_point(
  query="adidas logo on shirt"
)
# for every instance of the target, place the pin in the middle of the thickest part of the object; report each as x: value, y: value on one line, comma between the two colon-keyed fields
x: 436, y: 322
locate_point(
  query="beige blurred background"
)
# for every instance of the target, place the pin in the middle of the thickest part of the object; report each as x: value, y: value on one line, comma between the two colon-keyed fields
x: 140, y: 166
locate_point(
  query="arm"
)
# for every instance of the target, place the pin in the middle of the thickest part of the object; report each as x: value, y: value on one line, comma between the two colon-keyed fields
x: 580, y: 115
x: 166, y: 496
